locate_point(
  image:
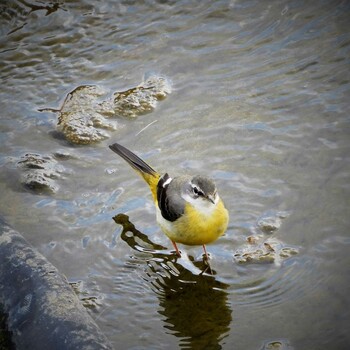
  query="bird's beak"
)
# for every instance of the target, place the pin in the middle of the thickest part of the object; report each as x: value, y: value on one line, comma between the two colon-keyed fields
x: 211, y: 198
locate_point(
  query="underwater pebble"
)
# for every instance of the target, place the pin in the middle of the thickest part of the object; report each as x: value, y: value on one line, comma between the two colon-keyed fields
x: 277, y: 345
x: 288, y: 252
x: 252, y: 239
x: 40, y: 172
x: 62, y: 155
x: 263, y: 252
x: 270, y: 223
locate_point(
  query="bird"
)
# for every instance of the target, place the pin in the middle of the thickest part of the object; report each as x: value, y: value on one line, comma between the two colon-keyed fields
x: 189, y: 209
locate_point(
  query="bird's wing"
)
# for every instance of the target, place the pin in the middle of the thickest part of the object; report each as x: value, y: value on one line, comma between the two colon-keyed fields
x: 170, y: 202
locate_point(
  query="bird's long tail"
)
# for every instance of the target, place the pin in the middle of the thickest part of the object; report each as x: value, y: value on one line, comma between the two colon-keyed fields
x: 141, y: 167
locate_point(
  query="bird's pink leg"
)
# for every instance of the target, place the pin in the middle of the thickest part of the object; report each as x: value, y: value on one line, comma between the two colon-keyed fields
x: 205, y: 252
x: 206, y: 261
x: 176, y: 248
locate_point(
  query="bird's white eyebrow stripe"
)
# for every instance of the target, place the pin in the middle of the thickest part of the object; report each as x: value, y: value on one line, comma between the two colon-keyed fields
x: 167, y: 182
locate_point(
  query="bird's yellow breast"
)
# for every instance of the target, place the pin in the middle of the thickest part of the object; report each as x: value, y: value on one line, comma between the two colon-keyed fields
x: 197, y: 228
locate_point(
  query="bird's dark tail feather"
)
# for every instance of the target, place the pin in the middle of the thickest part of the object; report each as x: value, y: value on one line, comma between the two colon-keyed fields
x: 133, y: 160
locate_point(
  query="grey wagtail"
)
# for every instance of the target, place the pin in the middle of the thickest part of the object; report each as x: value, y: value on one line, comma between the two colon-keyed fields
x: 189, y: 209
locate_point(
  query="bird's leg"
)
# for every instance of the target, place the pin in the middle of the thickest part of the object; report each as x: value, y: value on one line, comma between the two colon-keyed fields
x: 206, y: 260
x: 176, y: 248
x: 205, y: 253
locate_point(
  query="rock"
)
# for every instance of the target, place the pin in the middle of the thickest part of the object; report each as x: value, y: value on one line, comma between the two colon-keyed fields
x: 257, y: 250
x: 271, y: 222
x: 85, y: 117
x: 42, y: 309
x: 40, y: 172
x: 141, y: 99
x: 79, y: 120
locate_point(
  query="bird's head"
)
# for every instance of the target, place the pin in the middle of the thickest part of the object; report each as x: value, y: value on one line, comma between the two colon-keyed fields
x: 201, y: 192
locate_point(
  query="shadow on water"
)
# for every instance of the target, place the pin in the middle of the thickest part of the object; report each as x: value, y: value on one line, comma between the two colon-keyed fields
x: 194, y: 304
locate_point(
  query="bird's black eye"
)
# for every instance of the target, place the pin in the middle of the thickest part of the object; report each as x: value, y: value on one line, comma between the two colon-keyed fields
x: 197, y: 191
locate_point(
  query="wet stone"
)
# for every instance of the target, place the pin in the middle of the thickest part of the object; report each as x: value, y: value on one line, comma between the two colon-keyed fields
x: 40, y: 172
x: 62, y: 155
x: 270, y: 223
x: 263, y: 248
x: 277, y: 345
x: 143, y: 98
x: 288, y: 252
x: 85, y: 115
x: 79, y: 120
x: 263, y: 251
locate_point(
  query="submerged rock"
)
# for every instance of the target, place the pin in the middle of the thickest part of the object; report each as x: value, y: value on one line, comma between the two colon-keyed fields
x: 141, y: 99
x: 40, y: 172
x: 282, y: 344
x: 263, y: 248
x: 79, y: 120
x: 87, y: 300
x: 84, y: 117
x: 270, y: 223
x: 261, y: 251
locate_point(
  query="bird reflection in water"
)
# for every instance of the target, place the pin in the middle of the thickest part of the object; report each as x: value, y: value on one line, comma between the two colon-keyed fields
x: 194, y: 304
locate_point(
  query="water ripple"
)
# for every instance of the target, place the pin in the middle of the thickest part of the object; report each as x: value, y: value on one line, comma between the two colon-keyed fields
x: 270, y: 285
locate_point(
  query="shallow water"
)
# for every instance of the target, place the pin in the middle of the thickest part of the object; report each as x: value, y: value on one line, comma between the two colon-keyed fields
x: 259, y: 102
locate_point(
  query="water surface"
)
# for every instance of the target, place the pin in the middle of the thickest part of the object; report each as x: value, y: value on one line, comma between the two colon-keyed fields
x: 259, y: 102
